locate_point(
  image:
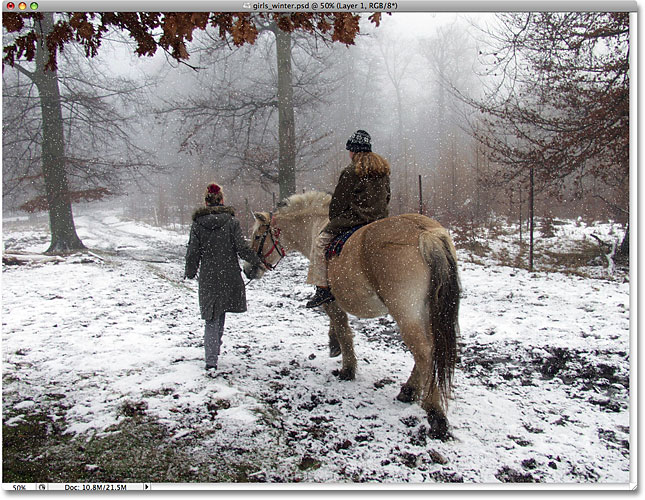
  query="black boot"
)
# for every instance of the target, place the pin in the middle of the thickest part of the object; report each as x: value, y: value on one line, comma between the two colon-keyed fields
x: 322, y: 296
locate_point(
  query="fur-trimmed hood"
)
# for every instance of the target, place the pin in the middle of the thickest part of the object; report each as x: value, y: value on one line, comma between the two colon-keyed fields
x: 213, y: 217
x: 370, y: 164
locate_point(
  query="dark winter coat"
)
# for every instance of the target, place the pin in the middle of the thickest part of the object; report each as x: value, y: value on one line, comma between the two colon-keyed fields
x: 359, y: 198
x: 215, y: 242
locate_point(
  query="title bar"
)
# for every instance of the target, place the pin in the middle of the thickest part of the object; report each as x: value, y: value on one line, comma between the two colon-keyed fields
x: 317, y: 6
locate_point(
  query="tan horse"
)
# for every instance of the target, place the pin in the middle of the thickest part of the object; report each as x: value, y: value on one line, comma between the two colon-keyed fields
x: 405, y: 266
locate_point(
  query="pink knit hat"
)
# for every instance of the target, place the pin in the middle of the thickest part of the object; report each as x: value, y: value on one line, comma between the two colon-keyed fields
x: 213, y: 195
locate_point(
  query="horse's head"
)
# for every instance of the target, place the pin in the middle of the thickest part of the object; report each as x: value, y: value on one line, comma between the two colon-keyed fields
x: 265, y: 243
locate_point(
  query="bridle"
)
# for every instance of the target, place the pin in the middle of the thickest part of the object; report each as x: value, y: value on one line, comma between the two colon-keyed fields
x: 273, y: 233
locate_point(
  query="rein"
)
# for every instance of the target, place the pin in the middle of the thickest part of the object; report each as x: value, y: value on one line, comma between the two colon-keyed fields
x: 277, y: 246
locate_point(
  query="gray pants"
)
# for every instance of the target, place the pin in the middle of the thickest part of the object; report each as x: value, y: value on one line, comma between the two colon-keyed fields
x: 213, y: 339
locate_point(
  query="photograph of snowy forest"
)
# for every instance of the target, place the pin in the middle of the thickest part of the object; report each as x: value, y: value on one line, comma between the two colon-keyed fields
x: 123, y: 131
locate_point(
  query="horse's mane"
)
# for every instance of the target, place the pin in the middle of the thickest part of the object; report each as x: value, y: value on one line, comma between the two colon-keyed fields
x: 309, y: 203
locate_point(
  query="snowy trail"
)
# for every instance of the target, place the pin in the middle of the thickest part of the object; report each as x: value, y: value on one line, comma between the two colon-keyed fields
x: 542, y: 386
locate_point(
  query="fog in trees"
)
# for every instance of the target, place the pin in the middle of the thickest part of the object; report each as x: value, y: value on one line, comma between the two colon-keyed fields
x: 418, y: 83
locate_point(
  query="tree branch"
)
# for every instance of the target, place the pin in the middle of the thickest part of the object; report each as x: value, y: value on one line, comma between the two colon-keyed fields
x: 29, y: 74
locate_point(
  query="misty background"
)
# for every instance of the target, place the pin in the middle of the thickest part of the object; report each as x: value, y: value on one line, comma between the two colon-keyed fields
x: 150, y: 133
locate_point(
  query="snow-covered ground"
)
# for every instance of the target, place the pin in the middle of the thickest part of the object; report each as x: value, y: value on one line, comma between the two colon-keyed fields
x: 542, y: 388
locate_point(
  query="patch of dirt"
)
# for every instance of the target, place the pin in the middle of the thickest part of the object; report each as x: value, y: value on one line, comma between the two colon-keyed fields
x: 508, y: 475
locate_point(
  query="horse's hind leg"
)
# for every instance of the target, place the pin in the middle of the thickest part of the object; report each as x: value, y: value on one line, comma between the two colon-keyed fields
x: 339, y: 326
x: 420, y: 344
x: 436, y: 415
x: 412, y: 388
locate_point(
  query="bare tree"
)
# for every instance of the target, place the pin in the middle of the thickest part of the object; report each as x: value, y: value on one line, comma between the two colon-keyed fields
x: 37, y: 37
x: 52, y: 144
x: 98, y: 114
x: 449, y: 55
x: 239, y: 112
x: 558, y: 112
x: 397, y: 58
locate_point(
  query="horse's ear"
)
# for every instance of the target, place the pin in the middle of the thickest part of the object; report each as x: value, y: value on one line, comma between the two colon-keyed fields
x: 263, y: 217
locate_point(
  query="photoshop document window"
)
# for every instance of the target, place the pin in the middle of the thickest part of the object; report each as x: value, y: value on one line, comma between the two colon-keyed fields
x: 327, y: 245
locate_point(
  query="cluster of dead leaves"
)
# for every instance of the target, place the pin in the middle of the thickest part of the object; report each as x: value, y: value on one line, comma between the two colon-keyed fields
x: 170, y: 31
x: 41, y: 204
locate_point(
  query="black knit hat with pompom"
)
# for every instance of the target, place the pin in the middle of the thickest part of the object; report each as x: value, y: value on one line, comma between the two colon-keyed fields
x: 359, y: 142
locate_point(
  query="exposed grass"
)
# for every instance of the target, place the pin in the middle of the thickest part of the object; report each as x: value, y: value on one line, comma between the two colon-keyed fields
x: 139, y: 449
x: 583, y: 257
x: 474, y: 247
x: 578, y: 261
x: 585, y: 254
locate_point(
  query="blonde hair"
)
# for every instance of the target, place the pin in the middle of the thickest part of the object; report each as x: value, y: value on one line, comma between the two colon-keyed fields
x: 370, y: 164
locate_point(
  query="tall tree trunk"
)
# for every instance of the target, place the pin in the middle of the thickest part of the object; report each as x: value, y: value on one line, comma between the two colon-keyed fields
x: 531, y: 216
x: 61, y: 221
x: 623, y: 250
x: 520, y: 220
x: 453, y: 163
x: 440, y: 138
x: 477, y: 183
x: 402, y: 148
x: 286, y: 120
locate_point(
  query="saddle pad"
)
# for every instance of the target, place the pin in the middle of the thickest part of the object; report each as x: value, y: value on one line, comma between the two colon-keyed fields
x: 336, y: 245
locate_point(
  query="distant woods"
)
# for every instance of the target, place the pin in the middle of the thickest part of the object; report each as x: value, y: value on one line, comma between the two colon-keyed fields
x: 32, y: 45
x: 263, y: 105
x: 555, y: 119
x: 558, y: 102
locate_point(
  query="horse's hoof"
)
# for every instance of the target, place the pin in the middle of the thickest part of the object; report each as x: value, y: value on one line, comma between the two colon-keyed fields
x: 438, y: 425
x: 406, y: 395
x: 344, y: 374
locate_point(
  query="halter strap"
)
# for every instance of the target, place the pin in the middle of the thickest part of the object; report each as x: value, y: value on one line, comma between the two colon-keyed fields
x: 274, y: 234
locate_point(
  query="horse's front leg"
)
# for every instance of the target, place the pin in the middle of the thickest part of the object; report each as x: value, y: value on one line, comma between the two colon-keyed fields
x: 334, y: 345
x: 339, y: 327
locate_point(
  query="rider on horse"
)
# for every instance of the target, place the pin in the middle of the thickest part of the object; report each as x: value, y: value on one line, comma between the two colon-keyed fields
x: 361, y: 196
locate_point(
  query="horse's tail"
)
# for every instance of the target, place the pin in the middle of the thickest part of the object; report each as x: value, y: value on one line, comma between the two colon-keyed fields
x: 439, y: 253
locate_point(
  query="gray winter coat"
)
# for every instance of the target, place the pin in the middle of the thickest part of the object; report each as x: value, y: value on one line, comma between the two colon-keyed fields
x: 215, y: 242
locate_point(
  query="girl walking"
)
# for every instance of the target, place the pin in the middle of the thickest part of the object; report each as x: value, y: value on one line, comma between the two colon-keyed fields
x: 215, y: 243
